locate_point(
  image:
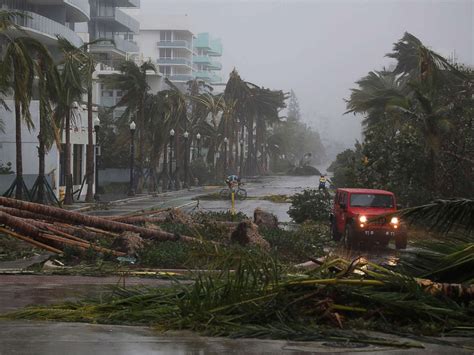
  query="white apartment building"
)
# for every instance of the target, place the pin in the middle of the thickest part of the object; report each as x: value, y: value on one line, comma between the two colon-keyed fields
x: 168, y: 43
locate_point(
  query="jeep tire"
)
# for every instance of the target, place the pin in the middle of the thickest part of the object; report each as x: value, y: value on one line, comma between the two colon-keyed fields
x: 336, y: 236
x: 350, y: 240
x: 401, y: 241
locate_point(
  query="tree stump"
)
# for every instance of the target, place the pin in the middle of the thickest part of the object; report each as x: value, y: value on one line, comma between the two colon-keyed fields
x: 246, y: 234
x: 265, y: 219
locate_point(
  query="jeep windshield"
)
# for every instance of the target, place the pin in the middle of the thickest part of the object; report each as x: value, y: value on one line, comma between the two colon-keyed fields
x: 371, y: 200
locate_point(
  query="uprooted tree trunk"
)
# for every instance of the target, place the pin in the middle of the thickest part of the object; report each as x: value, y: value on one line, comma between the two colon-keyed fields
x: 246, y: 234
x: 92, y: 221
x: 39, y: 231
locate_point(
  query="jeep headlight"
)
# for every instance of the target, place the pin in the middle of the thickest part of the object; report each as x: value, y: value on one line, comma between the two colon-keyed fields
x: 394, y: 221
x: 362, y: 219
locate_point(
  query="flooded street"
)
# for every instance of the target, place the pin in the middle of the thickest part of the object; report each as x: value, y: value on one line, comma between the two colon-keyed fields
x: 265, y: 186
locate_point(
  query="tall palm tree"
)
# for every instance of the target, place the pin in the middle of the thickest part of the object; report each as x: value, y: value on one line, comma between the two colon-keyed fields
x: 71, y: 88
x: 48, y: 80
x: 133, y: 82
x: 17, y: 70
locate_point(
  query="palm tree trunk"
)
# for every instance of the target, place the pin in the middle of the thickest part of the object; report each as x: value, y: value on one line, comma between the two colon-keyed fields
x: 251, y: 149
x: 19, y: 155
x: 68, y: 198
x: 90, y: 146
x: 141, y: 149
x: 41, y: 161
x: 164, y: 173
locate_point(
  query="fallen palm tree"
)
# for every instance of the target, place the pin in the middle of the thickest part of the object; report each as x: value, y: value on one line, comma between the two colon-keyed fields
x: 54, y: 228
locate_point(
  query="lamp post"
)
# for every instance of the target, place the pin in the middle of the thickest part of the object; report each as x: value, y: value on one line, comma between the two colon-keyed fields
x: 186, y: 158
x: 241, y: 172
x: 133, y: 127
x: 170, y: 185
x: 198, y: 137
x: 226, y: 141
x: 97, y: 155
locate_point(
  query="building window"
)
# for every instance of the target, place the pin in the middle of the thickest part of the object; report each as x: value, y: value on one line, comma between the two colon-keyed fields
x: 165, y: 70
x: 77, y: 163
x: 165, y: 36
x: 165, y: 53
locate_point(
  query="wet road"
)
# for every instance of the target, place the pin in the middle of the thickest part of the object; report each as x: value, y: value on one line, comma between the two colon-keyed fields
x: 272, y: 185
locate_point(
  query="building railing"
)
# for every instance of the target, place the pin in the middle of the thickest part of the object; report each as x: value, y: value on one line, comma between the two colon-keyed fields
x: 82, y: 5
x: 175, y: 61
x: 121, y: 18
x: 215, y: 65
x: 175, y: 44
x: 49, y: 27
x: 128, y: 3
x: 120, y: 44
x: 202, y: 59
x: 180, y: 77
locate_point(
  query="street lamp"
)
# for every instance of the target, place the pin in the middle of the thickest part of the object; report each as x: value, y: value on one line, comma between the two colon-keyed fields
x: 133, y: 127
x: 198, y: 137
x: 97, y: 155
x: 226, y: 141
x: 170, y: 185
x: 241, y: 157
x: 186, y: 158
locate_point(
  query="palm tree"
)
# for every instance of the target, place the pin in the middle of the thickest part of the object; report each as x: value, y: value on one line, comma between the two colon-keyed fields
x: 17, y: 70
x: 71, y: 88
x: 132, y: 81
x: 48, y: 81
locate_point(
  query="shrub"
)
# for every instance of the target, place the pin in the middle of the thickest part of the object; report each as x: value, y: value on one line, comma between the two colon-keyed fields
x: 311, y: 205
x: 299, y: 244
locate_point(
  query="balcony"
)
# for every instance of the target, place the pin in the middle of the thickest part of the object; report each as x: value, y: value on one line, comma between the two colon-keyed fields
x: 216, y: 48
x: 78, y: 10
x: 213, y: 65
x: 176, y: 44
x: 180, y: 77
x: 202, y: 59
x: 128, y: 3
x: 45, y: 29
x: 202, y: 41
x: 122, y: 21
x: 174, y: 61
x: 208, y: 76
x: 121, y: 45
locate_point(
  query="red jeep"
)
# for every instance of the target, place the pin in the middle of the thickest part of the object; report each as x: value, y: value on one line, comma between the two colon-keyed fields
x: 351, y: 212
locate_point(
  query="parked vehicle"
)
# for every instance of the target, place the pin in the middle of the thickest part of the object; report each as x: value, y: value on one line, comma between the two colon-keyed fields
x: 353, y: 218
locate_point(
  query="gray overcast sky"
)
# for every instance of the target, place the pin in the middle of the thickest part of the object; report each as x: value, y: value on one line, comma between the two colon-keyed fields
x: 319, y: 48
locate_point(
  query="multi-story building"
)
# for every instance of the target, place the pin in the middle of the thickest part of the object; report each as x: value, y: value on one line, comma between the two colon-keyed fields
x: 44, y: 21
x: 207, y: 51
x: 168, y: 42
x: 108, y: 20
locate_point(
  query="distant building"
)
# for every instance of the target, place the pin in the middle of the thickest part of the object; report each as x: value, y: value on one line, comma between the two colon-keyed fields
x: 168, y: 43
x: 207, y: 51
